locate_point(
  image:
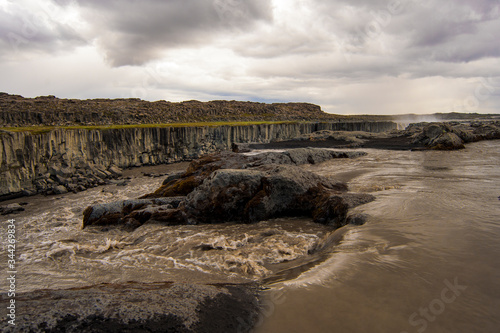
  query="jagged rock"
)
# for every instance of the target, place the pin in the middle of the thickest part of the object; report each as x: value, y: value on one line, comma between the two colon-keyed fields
x: 54, y: 170
x: 441, y: 136
x: 216, y: 192
x: 137, y: 307
x: 487, y: 131
x: 29, y: 193
x: 118, y: 212
x: 331, y: 210
x: 115, y: 171
x: 357, y: 199
x: 239, y: 147
x: 60, y: 179
x: 11, y: 208
x: 40, y: 185
x: 465, y: 132
x: 313, y: 156
x: 446, y: 141
x: 224, y: 196
x: 99, y: 172
x: 418, y: 136
x: 59, y: 190
x: 67, y: 172
x: 357, y: 219
x: 173, y: 176
x: 200, y: 169
x: 433, y: 131
x: 72, y: 188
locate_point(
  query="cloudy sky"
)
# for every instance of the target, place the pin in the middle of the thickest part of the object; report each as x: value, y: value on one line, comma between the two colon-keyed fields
x: 349, y: 56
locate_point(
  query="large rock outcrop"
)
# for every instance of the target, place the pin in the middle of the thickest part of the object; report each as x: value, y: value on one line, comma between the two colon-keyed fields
x: 135, y: 307
x: 451, y: 136
x: 230, y: 187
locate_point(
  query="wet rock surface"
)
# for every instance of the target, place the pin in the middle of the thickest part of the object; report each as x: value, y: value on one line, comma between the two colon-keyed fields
x: 135, y: 307
x: 230, y: 187
x: 132, y: 213
x: 11, y: 208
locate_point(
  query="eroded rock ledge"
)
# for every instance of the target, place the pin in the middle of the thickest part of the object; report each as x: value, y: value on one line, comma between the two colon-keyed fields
x: 135, y: 307
x: 230, y: 187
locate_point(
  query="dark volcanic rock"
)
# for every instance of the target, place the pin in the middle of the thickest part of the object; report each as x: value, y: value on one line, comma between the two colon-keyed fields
x: 134, y: 307
x: 60, y: 189
x: 173, y: 176
x: 447, y: 141
x: 49, y: 110
x: 229, y: 187
x: 200, y: 169
x: 132, y: 213
x: 11, y: 208
x: 115, y: 171
x: 357, y: 219
x: 440, y: 136
x: 238, y: 147
x: 255, y: 195
x: 486, y: 131
x: 451, y: 136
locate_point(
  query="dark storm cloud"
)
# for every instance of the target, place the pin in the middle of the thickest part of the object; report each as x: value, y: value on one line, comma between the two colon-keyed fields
x: 133, y: 32
x: 25, y: 29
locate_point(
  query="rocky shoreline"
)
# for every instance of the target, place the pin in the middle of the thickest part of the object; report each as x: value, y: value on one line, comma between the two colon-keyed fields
x: 418, y: 136
x: 135, y: 307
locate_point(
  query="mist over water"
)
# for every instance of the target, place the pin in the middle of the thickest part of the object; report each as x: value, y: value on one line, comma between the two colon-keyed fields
x: 435, y: 223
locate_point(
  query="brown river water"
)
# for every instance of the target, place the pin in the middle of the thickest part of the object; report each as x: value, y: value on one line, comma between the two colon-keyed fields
x: 427, y: 260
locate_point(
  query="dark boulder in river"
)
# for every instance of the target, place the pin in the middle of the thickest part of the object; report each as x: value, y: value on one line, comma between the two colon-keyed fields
x: 230, y: 187
x: 265, y: 192
x: 131, y: 213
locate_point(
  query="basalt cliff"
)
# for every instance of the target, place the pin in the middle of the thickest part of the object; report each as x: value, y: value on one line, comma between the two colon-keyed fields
x: 57, y: 159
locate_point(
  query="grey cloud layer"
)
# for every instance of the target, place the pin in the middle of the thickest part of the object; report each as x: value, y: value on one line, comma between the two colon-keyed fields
x: 25, y: 29
x: 324, y: 51
x: 133, y: 32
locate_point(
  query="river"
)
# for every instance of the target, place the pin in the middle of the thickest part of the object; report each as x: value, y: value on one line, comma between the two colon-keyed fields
x: 427, y: 260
